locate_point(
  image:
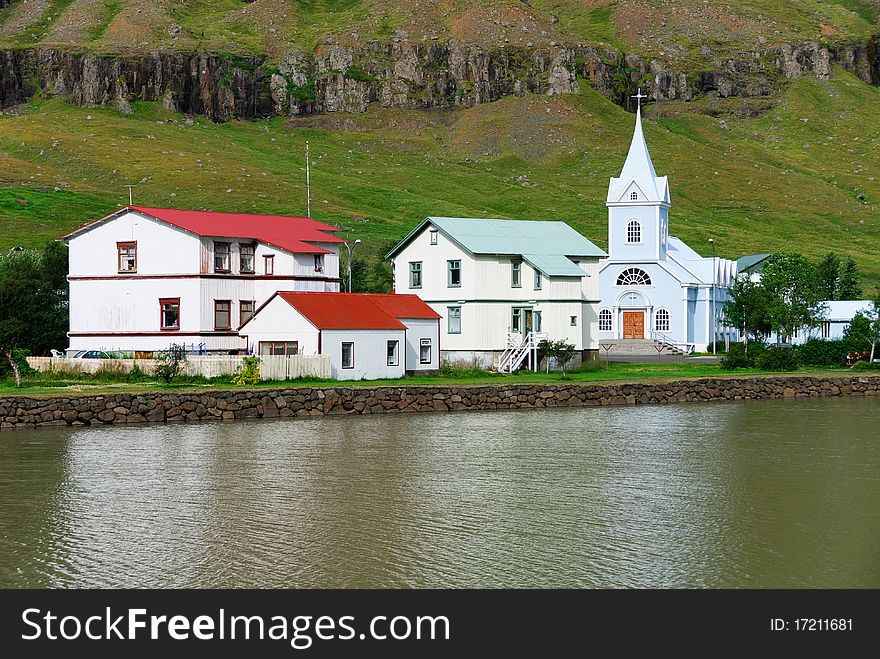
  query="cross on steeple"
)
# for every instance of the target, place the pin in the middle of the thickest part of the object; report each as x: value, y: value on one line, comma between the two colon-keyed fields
x: 640, y: 96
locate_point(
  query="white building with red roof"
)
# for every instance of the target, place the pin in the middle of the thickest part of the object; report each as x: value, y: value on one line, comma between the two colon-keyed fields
x: 143, y: 278
x: 366, y: 335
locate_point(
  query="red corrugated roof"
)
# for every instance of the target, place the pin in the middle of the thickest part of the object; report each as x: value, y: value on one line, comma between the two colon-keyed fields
x: 293, y: 234
x: 404, y: 306
x: 341, y: 310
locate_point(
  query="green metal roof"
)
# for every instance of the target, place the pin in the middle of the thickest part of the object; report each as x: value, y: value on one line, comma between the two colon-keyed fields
x: 554, y: 265
x: 747, y: 263
x: 543, y: 244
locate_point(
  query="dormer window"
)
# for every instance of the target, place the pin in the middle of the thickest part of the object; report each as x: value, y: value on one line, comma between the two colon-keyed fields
x: 246, y: 261
x: 633, y: 196
x: 319, y: 263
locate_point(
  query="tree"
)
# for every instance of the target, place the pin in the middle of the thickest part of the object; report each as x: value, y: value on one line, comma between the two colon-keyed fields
x: 849, y: 287
x: 875, y: 322
x: 33, y: 303
x: 562, y: 351
x: 747, y: 309
x: 793, y: 296
x: 828, y: 276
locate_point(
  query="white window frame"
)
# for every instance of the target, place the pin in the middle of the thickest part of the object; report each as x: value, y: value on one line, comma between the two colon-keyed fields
x: 392, y: 353
x: 606, y: 320
x: 627, y: 277
x: 412, y: 271
x: 633, y: 230
x: 433, y: 235
x: 423, y: 343
x: 449, y: 269
x: 351, y: 353
x: 450, y: 313
x: 662, y: 320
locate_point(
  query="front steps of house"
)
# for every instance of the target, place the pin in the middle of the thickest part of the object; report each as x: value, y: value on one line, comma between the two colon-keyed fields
x: 637, y: 347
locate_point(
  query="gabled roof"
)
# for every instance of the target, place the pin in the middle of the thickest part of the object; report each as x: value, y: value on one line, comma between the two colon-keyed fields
x: 751, y: 262
x: 639, y: 169
x: 292, y: 234
x: 544, y: 244
x: 355, y: 311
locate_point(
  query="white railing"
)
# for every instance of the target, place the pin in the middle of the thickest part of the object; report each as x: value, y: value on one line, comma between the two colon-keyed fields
x: 519, y: 349
x: 271, y: 367
x: 666, y: 341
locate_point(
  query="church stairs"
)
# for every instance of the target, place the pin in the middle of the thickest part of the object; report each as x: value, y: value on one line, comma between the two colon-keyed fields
x: 638, y: 348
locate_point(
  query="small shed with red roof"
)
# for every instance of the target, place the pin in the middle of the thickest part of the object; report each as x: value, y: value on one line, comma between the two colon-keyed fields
x: 367, y: 336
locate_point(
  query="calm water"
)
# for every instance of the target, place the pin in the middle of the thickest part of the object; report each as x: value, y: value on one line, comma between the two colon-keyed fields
x: 783, y: 493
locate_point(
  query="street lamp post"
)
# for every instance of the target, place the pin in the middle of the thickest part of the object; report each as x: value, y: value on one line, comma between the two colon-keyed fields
x: 714, y: 275
x: 350, y: 252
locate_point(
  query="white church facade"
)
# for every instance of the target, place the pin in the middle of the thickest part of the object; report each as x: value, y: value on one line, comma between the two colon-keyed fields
x: 653, y: 286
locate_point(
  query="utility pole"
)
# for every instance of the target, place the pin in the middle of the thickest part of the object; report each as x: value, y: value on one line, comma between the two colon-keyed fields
x: 308, y: 186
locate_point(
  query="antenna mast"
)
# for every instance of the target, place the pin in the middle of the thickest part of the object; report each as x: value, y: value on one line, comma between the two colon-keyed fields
x: 308, y: 185
x: 130, y: 196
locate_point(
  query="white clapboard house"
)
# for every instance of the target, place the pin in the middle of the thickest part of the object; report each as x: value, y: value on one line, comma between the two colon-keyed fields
x: 502, y: 285
x: 144, y: 278
x: 367, y: 336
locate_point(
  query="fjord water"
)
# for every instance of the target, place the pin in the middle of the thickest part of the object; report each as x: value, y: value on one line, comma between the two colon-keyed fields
x: 757, y: 494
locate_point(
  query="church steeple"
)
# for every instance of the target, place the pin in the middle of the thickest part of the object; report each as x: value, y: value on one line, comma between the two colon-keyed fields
x: 638, y: 175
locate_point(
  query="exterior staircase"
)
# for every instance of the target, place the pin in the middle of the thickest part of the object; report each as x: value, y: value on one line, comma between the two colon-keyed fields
x: 643, y: 347
x: 520, y: 349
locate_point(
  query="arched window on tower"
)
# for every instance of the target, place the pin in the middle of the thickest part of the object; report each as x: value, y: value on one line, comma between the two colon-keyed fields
x: 633, y: 277
x: 633, y: 196
x: 661, y: 320
x: 633, y: 232
x: 605, y: 320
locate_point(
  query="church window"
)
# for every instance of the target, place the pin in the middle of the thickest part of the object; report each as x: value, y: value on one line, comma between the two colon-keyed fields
x: 633, y: 277
x: 604, y: 320
x: 661, y: 320
x: 634, y: 232
x: 633, y: 196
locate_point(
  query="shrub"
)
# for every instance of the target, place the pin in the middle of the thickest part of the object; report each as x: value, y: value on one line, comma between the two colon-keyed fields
x: 777, y: 358
x: 866, y: 366
x: 248, y: 372
x: 472, y: 369
x: 720, y: 347
x: 171, y: 363
x: 824, y: 352
x: 736, y: 357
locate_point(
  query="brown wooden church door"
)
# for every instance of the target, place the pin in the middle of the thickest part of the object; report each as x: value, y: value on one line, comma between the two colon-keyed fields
x: 633, y: 325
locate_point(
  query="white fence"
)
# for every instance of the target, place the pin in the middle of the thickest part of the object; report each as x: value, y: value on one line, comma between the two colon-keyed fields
x: 271, y: 367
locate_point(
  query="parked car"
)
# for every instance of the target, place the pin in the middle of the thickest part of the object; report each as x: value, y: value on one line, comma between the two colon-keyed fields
x: 92, y: 354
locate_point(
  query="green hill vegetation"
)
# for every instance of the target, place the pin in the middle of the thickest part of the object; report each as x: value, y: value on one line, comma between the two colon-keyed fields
x: 803, y: 176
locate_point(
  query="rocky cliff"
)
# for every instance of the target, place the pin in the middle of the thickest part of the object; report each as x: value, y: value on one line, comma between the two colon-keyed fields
x: 336, y: 78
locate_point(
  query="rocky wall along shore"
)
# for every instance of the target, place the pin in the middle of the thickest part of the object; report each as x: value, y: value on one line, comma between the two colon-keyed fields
x: 27, y: 412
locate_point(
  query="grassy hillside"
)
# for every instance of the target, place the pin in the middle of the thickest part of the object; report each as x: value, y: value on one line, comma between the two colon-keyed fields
x: 803, y: 176
x: 662, y: 27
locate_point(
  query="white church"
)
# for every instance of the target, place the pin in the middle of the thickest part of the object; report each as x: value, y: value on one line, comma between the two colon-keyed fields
x: 655, y: 290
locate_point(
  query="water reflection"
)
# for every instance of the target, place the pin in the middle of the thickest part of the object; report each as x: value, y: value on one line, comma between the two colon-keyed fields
x: 777, y: 493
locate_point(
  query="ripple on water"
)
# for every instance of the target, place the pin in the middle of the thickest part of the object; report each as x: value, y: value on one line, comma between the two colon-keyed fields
x: 777, y: 493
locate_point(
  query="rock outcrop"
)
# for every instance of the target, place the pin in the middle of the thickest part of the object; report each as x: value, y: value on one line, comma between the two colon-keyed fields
x: 337, y: 78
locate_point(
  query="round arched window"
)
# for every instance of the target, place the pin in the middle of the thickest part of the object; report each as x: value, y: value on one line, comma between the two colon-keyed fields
x: 661, y: 320
x: 605, y: 320
x: 633, y: 232
x: 633, y: 277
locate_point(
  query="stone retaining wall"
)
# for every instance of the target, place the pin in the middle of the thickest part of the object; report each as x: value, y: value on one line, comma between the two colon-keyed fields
x: 26, y: 412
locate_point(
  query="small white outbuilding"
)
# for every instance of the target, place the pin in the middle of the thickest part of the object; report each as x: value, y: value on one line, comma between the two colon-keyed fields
x: 367, y: 336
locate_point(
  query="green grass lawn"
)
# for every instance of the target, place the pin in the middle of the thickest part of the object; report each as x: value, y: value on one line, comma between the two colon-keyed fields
x: 45, y: 385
